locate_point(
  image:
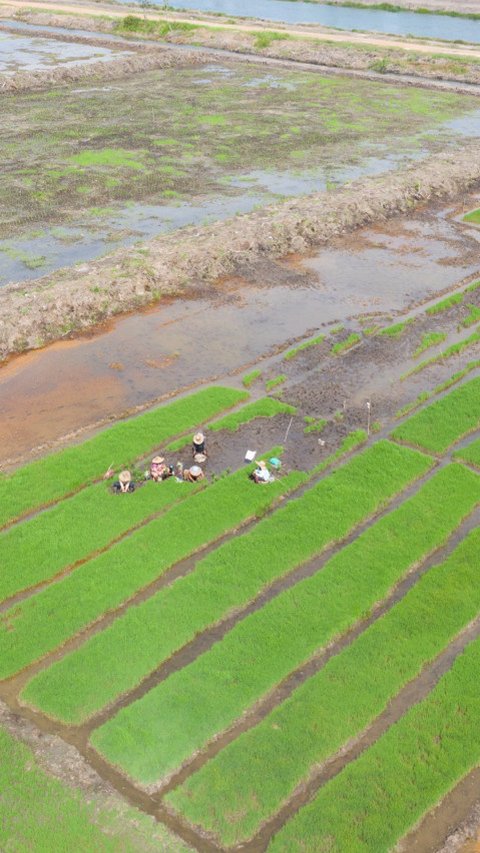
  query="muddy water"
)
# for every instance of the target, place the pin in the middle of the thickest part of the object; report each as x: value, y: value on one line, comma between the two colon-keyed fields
x: 47, y: 394
x: 26, y: 53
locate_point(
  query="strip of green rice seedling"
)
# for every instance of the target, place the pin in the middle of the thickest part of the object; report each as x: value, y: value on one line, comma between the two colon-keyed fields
x: 454, y: 349
x: 28, y: 631
x: 256, y: 773
x: 473, y: 316
x: 426, y: 395
x: 348, y: 343
x: 74, y: 688
x: 470, y: 454
x: 38, y: 812
x: 267, y: 407
x: 376, y: 799
x: 315, y: 425
x: 154, y: 735
x: 430, y: 339
x: 396, y: 330
x: 443, y: 423
x: 445, y: 304
x: 38, y: 549
x: 250, y: 378
x: 314, y: 342
x: 55, y: 476
x: 473, y: 216
x: 472, y: 287
x: 277, y: 380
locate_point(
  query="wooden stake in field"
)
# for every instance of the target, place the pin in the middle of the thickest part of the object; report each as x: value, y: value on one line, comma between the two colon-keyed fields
x: 369, y: 412
x: 288, y: 430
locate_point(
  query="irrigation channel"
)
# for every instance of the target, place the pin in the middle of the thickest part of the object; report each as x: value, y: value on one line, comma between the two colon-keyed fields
x: 342, y: 18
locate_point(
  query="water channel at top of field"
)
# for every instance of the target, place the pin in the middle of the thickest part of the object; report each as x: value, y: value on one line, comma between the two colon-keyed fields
x: 341, y: 17
x: 380, y: 271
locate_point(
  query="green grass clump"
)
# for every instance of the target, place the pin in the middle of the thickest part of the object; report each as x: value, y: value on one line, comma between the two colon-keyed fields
x: 277, y: 380
x: 72, y: 530
x: 396, y: 330
x: 250, y: 378
x: 445, y: 304
x: 267, y: 407
x: 60, y: 474
x: 303, y: 346
x: 472, y: 317
x: 266, y: 37
x: 256, y: 773
x: 473, y: 216
x: 38, y: 812
x: 157, y: 733
x: 376, y: 799
x: 116, y: 157
x: 443, y: 423
x: 28, y: 632
x: 430, y: 339
x: 349, y: 342
x: 454, y: 349
x: 470, y: 454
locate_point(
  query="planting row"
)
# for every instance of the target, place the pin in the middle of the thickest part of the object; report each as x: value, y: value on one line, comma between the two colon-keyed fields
x: 153, y: 736
x: 28, y: 631
x: 62, y: 473
x: 74, y: 688
x: 444, y: 422
x: 376, y: 799
x: 259, y: 771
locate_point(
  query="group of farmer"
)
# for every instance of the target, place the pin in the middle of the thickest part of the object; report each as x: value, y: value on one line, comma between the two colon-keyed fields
x: 159, y: 469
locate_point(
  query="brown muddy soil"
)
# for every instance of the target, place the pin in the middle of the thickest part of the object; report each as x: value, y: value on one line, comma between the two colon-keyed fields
x: 360, y: 280
x: 91, y: 293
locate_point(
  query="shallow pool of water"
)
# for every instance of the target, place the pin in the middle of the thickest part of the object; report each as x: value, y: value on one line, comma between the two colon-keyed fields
x: 343, y: 18
x: 29, y: 53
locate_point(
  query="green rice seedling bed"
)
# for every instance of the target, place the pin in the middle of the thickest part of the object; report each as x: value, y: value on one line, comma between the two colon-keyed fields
x: 426, y: 395
x: 302, y: 347
x: 376, y: 799
x: 60, y: 474
x: 443, y: 423
x: 256, y: 773
x: 430, y: 339
x: 74, y: 688
x: 277, y: 380
x: 39, y: 813
x: 470, y: 454
x: 154, y: 735
x: 348, y: 343
x: 72, y: 530
x: 250, y: 378
x: 473, y: 316
x: 28, y: 631
x: 473, y: 216
x: 454, y: 349
x: 445, y: 304
x: 397, y: 329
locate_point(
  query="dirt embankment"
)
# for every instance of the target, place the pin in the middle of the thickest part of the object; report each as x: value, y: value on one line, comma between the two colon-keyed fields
x: 75, y: 299
x: 114, y: 69
x: 464, y: 7
x: 375, y: 54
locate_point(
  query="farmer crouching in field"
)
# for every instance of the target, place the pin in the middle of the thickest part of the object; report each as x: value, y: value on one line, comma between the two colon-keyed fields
x: 199, y: 449
x: 159, y: 470
x: 193, y: 474
x: 261, y: 474
x: 124, y: 483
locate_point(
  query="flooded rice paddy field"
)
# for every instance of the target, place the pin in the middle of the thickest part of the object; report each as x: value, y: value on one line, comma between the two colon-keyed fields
x: 364, y: 279
x: 28, y: 53
x: 89, y: 168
